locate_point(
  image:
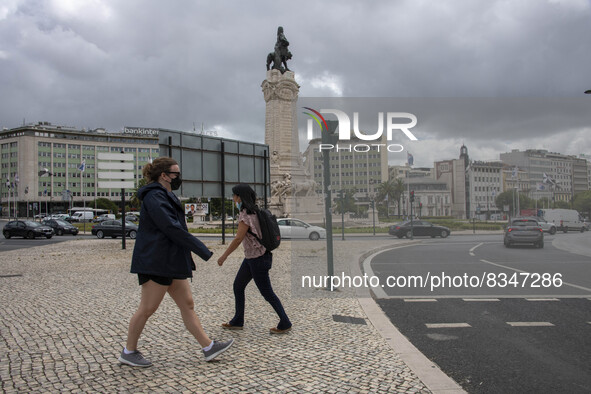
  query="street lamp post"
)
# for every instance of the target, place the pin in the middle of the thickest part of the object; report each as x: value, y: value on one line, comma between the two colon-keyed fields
x: 41, y: 173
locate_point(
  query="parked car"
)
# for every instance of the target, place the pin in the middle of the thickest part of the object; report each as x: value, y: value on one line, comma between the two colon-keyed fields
x: 61, y: 227
x: 113, y: 229
x: 546, y: 226
x: 26, y: 229
x: 295, y: 228
x: 65, y: 217
x: 82, y: 216
x: 132, y: 218
x: 524, y: 231
x: 419, y: 228
x: 103, y: 217
x: 60, y: 216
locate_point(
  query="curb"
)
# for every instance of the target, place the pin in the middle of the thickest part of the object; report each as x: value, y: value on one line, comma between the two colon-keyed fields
x: 428, y: 372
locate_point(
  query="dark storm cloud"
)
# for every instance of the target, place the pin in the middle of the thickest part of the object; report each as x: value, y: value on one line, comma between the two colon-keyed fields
x: 175, y: 64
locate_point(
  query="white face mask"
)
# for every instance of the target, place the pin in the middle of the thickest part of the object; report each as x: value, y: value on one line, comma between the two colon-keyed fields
x: 239, y: 205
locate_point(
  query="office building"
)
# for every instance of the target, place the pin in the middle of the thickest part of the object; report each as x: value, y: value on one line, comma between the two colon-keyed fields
x: 41, y: 164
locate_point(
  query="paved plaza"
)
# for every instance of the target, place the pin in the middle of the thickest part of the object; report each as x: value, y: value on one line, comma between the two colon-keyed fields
x: 65, y: 309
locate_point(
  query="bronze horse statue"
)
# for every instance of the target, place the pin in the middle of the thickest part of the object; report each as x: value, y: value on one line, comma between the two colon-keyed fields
x: 280, y: 55
x: 279, y: 63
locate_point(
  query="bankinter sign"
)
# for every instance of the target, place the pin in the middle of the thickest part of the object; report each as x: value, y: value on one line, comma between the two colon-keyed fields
x: 392, y: 124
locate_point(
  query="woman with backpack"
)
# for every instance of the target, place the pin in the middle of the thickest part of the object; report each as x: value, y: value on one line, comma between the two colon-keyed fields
x: 256, y: 264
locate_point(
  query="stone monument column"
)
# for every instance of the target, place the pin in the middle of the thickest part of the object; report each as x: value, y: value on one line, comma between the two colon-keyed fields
x: 288, y: 176
x: 281, y: 95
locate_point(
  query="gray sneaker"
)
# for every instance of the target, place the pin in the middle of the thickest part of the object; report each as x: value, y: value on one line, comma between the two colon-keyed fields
x: 134, y: 359
x: 217, y: 349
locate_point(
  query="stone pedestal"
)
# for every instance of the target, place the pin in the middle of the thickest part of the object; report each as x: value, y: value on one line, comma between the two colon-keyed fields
x: 290, y: 184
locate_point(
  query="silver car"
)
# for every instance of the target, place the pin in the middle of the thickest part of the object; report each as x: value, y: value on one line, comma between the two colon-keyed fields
x: 549, y: 228
x: 295, y: 228
x: 524, y: 231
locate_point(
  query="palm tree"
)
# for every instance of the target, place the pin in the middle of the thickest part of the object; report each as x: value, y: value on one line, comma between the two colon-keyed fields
x: 391, y: 190
x: 135, y: 201
x: 394, y: 189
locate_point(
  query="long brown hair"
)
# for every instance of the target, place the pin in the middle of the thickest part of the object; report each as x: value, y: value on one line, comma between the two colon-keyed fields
x: 153, y: 170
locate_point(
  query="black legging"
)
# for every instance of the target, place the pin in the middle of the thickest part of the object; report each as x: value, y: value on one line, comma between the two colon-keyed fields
x: 257, y: 269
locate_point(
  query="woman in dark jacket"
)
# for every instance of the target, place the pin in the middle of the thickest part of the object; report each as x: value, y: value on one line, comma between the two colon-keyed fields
x: 162, y: 259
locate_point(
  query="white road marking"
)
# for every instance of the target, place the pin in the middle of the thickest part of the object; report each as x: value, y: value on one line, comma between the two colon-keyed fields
x: 542, y: 299
x: 530, y: 324
x: 518, y: 270
x: 480, y: 299
x: 472, y: 250
x: 378, y: 291
x: 447, y: 325
x: 420, y: 300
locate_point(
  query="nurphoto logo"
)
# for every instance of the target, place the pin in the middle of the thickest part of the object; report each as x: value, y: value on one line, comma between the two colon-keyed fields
x: 392, y: 124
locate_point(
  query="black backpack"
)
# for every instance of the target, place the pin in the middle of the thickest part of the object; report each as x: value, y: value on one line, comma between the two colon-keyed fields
x: 271, y: 236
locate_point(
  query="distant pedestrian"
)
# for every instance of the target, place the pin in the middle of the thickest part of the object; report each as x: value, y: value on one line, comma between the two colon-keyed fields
x: 256, y: 264
x: 162, y: 259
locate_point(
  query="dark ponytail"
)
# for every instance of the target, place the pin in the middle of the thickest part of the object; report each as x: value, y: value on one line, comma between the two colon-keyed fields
x: 247, y: 196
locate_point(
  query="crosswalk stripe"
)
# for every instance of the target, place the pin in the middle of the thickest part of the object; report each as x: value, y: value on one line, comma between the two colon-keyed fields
x: 447, y: 325
x: 530, y: 324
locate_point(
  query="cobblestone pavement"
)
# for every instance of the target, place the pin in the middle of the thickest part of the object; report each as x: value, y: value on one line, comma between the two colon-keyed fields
x: 64, y: 318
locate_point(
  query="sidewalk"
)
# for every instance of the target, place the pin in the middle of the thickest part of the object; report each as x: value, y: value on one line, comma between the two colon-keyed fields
x: 65, y: 312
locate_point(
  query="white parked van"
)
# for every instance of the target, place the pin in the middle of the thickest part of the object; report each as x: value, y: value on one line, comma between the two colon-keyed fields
x: 564, y: 219
x: 82, y: 216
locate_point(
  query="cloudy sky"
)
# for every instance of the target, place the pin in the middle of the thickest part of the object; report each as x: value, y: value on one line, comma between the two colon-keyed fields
x: 180, y: 63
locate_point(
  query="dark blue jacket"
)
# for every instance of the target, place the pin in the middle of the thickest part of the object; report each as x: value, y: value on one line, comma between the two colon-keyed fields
x: 163, y: 245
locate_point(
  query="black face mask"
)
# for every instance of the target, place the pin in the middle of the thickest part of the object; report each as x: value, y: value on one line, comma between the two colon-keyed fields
x: 176, y: 183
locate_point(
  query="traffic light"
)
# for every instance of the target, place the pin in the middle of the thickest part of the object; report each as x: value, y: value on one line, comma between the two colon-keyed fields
x: 412, y: 195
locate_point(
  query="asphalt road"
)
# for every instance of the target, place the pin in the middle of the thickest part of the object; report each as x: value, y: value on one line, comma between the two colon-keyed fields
x: 529, y: 336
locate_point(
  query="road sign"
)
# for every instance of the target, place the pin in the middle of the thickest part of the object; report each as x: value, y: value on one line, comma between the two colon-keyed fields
x: 116, y: 185
x: 116, y: 179
x: 105, y: 165
x: 121, y: 162
x: 115, y: 175
x: 116, y: 156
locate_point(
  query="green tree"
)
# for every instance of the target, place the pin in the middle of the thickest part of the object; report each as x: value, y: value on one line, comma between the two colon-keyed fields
x: 134, y: 201
x: 391, y: 190
x: 347, y: 203
x: 506, y: 198
x: 105, y: 203
x: 562, y: 205
x: 582, y: 202
x: 544, y: 202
